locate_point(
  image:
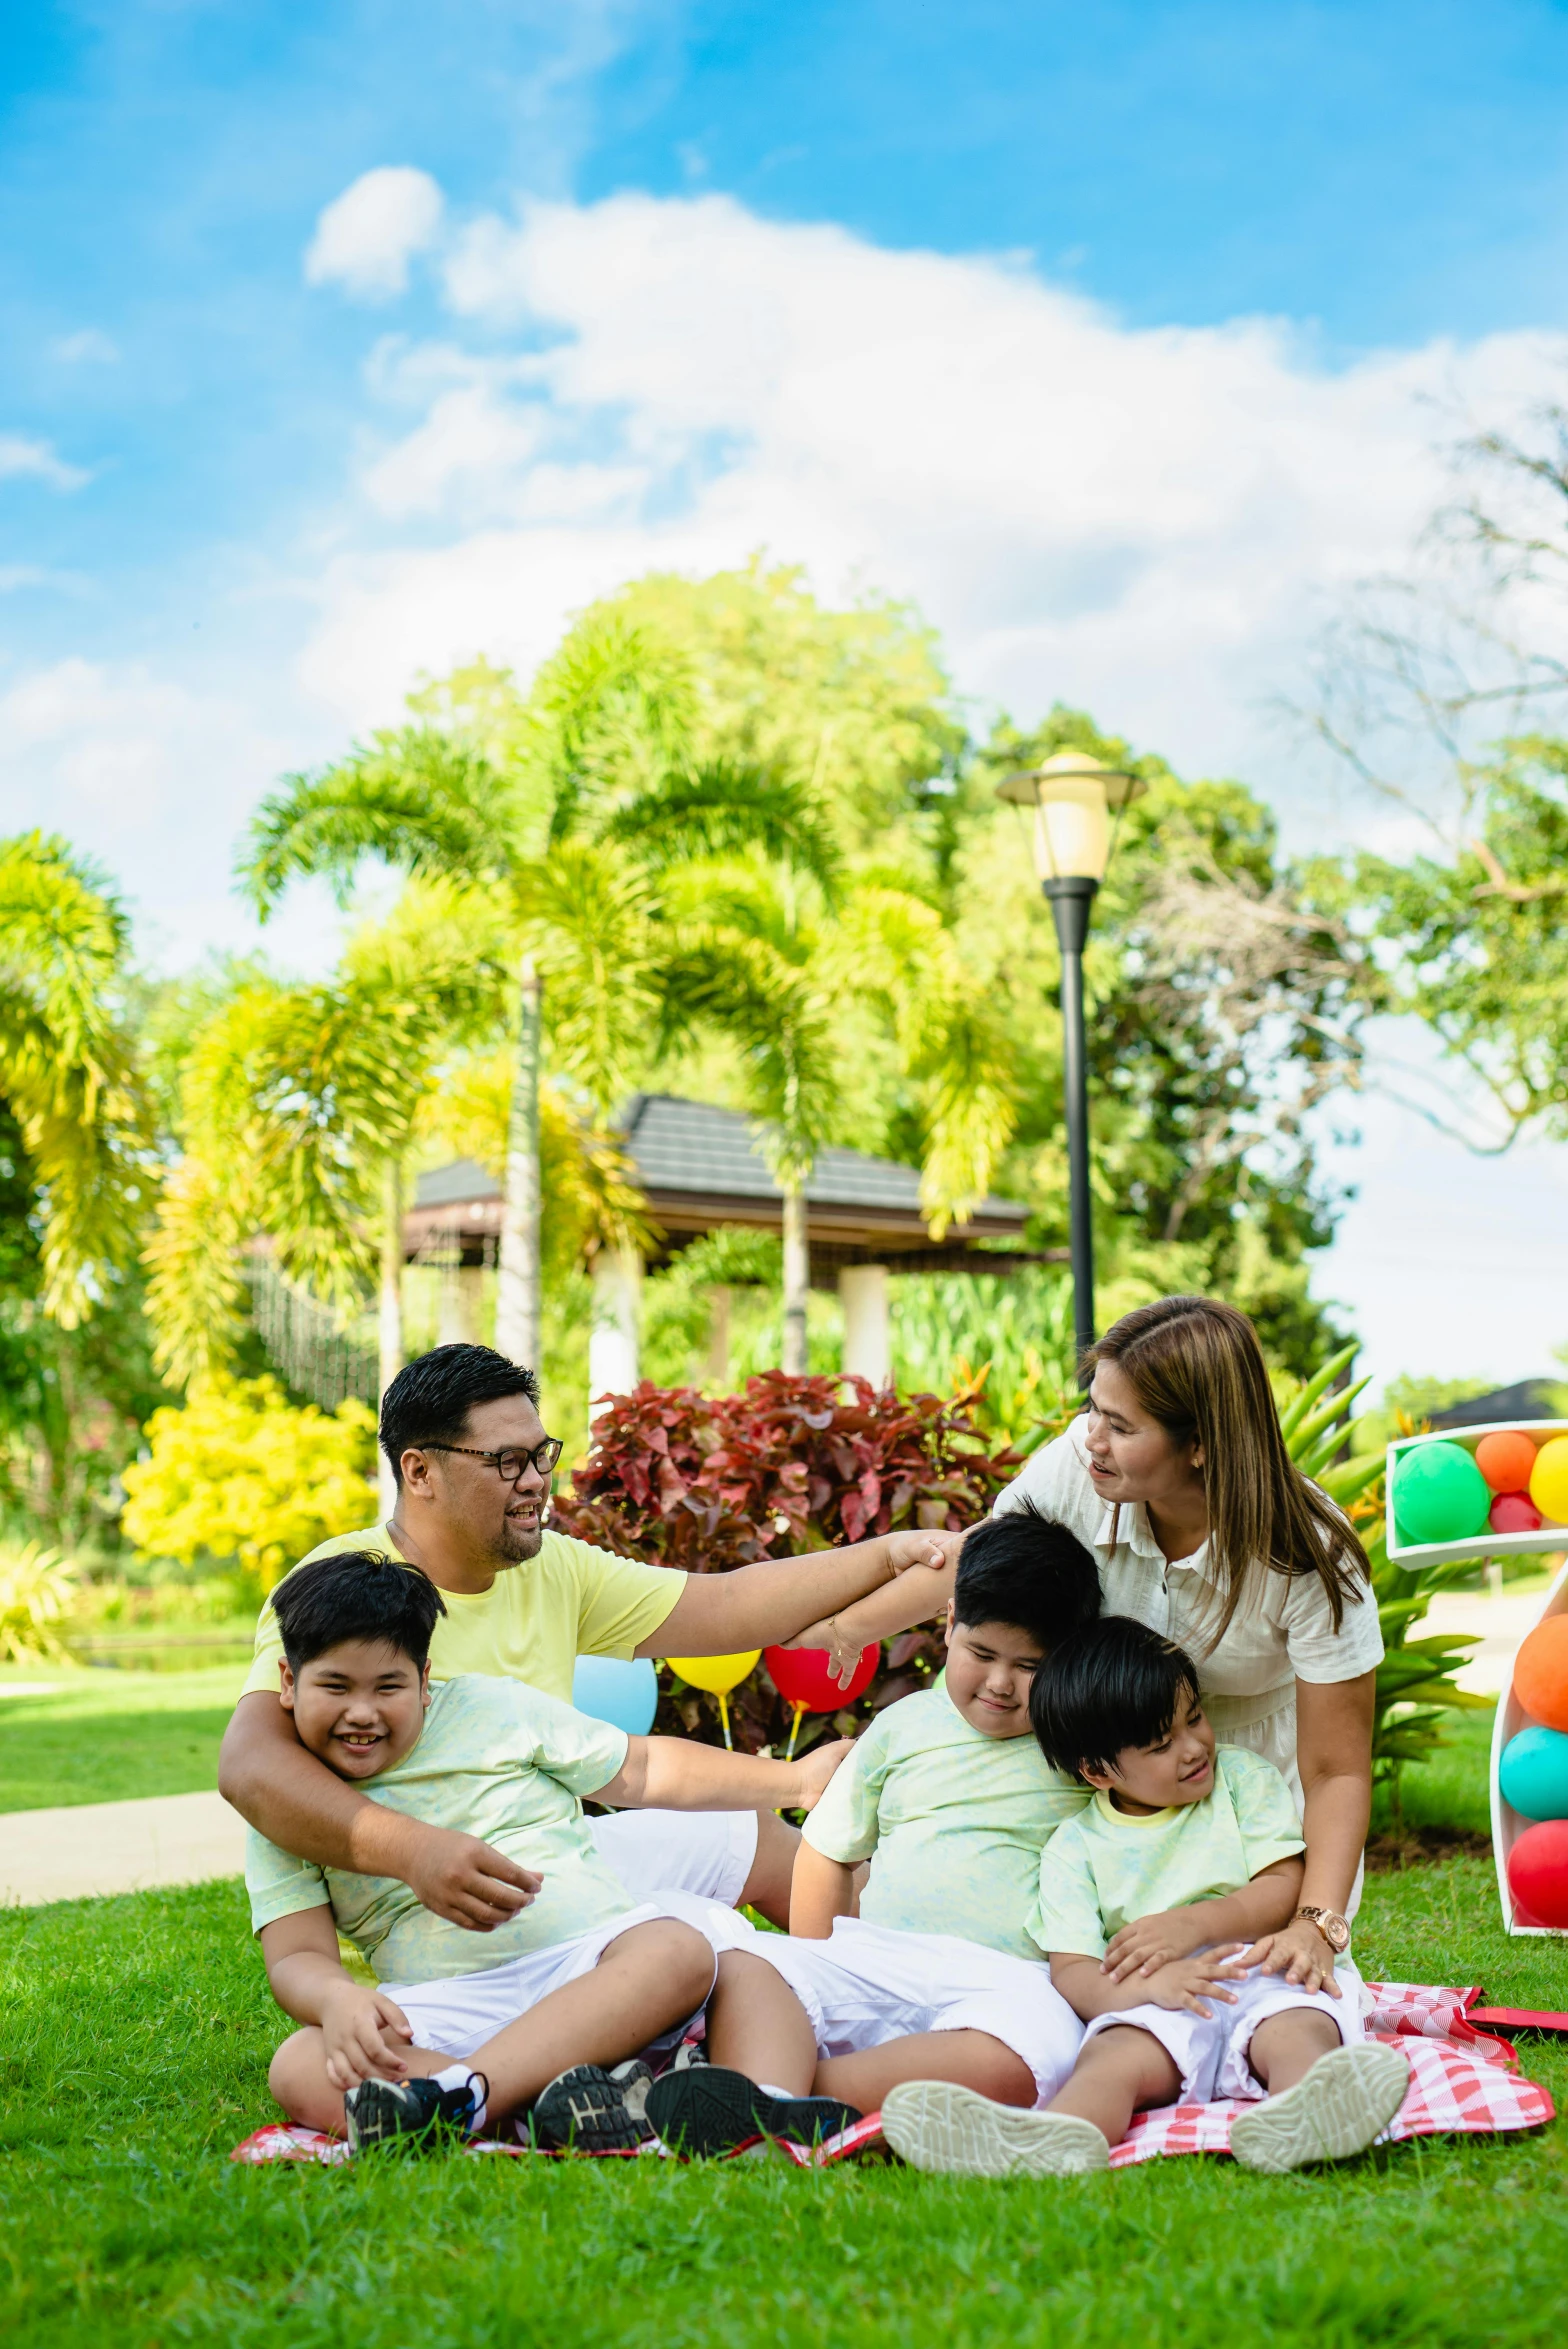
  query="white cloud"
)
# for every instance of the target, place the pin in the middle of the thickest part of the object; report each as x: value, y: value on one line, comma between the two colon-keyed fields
x: 1148, y: 522
x: 22, y: 459
x: 88, y: 347
x: 366, y: 237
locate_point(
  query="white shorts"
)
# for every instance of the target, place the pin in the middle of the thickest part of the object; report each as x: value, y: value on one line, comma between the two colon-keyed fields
x: 708, y: 1853
x: 1210, y: 2052
x: 458, y: 2015
x: 872, y: 1983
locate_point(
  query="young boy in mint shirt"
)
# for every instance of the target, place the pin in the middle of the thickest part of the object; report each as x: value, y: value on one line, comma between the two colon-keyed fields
x: 1151, y: 1904
x: 930, y: 1972
x: 468, y: 2026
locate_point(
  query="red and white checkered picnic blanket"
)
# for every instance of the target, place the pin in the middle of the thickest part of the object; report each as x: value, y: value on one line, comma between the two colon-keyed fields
x: 1462, y: 2080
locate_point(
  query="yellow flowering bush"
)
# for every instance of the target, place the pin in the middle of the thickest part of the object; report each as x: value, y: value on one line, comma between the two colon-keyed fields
x: 241, y: 1473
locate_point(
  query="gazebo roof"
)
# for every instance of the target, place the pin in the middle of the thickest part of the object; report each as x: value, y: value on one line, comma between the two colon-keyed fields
x: 700, y: 1167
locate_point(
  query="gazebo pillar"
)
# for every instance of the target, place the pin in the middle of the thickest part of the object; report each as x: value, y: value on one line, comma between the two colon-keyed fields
x: 612, y: 1341
x: 868, y: 1335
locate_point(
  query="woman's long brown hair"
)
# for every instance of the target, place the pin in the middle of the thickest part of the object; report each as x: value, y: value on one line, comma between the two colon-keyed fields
x: 1196, y: 1366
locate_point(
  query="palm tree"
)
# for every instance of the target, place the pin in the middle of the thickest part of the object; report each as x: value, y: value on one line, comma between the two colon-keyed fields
x: 567, y: 808
x: 787, y: 972
x: 68, y: 1069
x: 299, y: 1105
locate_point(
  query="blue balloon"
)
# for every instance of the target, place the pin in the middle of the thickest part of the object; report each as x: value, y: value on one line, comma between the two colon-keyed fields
x: 625, y: 1695
x: 1534, y: 1773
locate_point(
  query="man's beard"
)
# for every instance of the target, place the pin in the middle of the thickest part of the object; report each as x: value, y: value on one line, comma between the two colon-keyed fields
x: 518, y: 1545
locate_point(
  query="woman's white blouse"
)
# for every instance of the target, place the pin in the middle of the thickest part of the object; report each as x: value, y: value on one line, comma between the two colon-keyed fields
x: 1282, y: 1630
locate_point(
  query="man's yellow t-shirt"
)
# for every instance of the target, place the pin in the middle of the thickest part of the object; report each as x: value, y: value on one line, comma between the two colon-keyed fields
x: 533, y: 1622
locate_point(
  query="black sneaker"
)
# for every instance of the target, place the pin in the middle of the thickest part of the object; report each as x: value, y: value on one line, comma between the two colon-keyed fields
x: 587, y: 2110
x: 413, y: 2113
x: 710, y: 2110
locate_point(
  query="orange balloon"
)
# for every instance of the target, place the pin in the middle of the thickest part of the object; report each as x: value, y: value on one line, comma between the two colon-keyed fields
x: 1507, y: 1461
x: 1541, y: 1673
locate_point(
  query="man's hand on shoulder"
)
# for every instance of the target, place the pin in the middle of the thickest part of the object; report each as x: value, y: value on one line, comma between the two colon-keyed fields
x: 817, y: 1767
x: 462, y: 1879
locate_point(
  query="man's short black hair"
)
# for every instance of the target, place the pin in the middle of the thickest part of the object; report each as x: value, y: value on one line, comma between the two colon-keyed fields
x: 1114, y: 1684
x: 1026, y: 1570
x: 429, y: 1400
x: 355, y: 1594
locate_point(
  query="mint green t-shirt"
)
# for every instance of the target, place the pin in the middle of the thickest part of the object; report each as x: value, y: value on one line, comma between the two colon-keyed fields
x: 495, y: 1759
x: 952, y: 1822
x: 1106, y: 1867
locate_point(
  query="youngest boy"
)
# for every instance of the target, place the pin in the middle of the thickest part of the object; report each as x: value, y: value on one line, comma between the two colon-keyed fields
x: 930, y: 1971
x: 579, y: 1979
x: 1189, y: 1854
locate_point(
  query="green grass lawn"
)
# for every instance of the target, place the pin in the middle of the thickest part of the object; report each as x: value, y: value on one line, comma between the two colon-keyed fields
x: 134, y: 2037
x: 104, y: 1737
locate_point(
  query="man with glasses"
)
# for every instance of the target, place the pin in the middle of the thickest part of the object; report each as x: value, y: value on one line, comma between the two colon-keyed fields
x: 460, y: 1428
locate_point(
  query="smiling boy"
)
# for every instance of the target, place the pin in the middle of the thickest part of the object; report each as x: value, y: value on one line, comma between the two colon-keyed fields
x: 931, y: 1972
x: 1149, y: 1902
x: 580, y: 1978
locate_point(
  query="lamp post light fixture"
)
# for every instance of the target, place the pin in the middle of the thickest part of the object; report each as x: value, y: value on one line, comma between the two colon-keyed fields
x: 1074, y: 798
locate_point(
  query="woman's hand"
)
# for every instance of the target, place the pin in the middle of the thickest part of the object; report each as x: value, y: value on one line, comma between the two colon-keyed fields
x: 1151, y: 1942
x: 1299, y: 1952
x: 362, y: 2029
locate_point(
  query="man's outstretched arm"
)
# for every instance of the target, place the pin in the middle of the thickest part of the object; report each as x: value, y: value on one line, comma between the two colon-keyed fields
x: 304, y: 1808
x: 764, y: 1605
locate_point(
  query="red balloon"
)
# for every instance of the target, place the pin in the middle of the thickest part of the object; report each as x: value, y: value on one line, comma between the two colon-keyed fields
x: 1538, y: 1873
x: 802, y: 1677
x: 1514, y: 1513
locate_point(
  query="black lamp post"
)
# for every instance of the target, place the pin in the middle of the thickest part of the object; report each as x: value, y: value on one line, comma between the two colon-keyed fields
x: 1073, y: 796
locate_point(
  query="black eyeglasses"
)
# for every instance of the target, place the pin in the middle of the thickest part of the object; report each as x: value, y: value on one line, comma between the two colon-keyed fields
x: 510, y: 1464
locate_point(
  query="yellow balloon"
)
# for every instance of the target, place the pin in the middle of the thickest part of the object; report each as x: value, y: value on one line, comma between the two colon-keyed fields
x: 1549, y: 1479
x: 717, y: 1674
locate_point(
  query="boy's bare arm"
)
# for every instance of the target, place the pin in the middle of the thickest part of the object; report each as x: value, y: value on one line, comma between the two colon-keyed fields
x: 677, y: 1774
x: 1181, y: 1983
x: 1260, y: 1907
x: 820, y: 1890
x: 364, y: 2030
x: 920, y: 1594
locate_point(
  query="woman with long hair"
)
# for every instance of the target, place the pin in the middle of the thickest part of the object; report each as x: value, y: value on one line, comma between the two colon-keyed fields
x: 1177, y: 1480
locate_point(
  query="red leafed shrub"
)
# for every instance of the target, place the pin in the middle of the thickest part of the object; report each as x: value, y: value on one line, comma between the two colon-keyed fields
x: 713, y: 1482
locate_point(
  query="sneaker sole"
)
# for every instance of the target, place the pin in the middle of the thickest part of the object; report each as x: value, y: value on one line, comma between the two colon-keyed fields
x: 710, y: 2110
x: 585, y: 2111
x: 936, y: 2125
x: 1345, y: 2101
x: 373, y: 2113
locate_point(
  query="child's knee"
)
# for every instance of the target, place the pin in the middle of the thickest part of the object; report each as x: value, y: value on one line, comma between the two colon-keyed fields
x: 297, y: 2076
x: 683, y: 1958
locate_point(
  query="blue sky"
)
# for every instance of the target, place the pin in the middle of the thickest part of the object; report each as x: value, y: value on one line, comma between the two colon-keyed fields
x: 1117, y: 335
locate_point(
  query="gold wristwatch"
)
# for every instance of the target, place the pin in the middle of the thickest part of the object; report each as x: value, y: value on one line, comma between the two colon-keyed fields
x: 1334, y: 1929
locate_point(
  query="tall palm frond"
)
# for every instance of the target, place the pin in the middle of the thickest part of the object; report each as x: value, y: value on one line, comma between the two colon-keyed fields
x: 67, y: 1065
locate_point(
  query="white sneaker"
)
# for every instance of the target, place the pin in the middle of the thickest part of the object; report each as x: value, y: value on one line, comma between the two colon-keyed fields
x: 1344, y: 2102
x: 935, y: 2125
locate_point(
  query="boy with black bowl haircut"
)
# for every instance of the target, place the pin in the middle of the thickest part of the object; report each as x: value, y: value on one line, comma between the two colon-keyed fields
x: 1186, y: 1856
x: 467, y: 2026
x: 947, y: 1794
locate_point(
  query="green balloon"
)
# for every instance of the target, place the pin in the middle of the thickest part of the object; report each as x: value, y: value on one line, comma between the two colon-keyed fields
x: 1439, y: 1494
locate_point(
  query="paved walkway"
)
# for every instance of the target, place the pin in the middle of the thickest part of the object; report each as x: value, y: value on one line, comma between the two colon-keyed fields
x: 1501, y: 1619
x: 88, y: 1848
